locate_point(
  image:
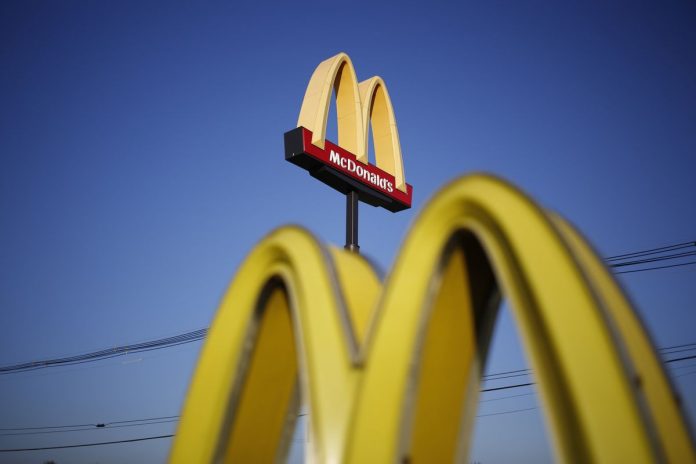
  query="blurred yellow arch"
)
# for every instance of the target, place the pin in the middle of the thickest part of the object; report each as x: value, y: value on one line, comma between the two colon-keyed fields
x: 357, y: 105
x: 390, y: 372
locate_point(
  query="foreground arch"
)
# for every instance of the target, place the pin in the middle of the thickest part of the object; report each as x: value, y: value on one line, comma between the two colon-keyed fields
x: 300, y: 316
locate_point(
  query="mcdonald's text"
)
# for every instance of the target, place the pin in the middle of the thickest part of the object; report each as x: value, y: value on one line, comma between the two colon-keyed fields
x: 360, y: 171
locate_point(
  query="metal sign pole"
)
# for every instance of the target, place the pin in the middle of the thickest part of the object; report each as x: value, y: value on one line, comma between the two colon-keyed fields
x: 352, y: 222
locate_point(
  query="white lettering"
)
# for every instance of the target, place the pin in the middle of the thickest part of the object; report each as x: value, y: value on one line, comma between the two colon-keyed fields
x: 352, y: 166
x: 334, y: 157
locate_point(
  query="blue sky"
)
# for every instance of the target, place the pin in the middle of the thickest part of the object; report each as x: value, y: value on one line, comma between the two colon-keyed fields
x: 142, y: 158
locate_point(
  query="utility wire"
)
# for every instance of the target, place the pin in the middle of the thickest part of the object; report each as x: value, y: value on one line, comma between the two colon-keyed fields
x: 81, y: 445
x: 169, y: 419
x: 622, y: 260
x: 654, y: 259
x: 679, y: 359
x: 511, y: 372
x: 488, y: 378
x: 85, y: 444
x: 151, y: 345
x: 652, y: 251
x: 679, y: 346
x: 505, y: 397
x: 665, y: 351
x: 90, y: 425
x: 532, y: 383
x: 507, y: 412
x: 197, y: 335
x: 653, y: 256
x: 187, y: 337
x: 657, y: 267
x: 667, y: 348
x: 97, y: 427
x: 684, y: 345
x: 507, y: 387
x: 680, y: 350
x: 82, y: 427
x: 142, y: 420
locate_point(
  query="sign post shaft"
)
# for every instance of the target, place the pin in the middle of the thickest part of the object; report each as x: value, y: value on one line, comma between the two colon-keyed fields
x: 352, y: 222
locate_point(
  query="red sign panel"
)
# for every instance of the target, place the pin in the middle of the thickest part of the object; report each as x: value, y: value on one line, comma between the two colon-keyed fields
x: 340, y: 169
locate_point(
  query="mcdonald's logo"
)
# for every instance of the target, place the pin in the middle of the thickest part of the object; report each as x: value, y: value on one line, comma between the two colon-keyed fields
x: 345, y: 166
x: 390, y: 371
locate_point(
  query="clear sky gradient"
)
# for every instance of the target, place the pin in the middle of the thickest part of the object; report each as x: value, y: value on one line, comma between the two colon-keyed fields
x: 141, y: 150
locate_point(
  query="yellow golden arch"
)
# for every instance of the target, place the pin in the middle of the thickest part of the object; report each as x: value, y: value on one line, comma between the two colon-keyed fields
x: 357, y: 105
x: 390, y: 371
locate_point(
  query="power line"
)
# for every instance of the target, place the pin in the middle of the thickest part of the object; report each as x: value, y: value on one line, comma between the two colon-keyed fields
x: 197, y: 335
x: 623, y: 260
x: 168, y: 419
x: 142, y: 420
x: 652, y: 251
x: 506, y: 412
x: 679, y: 346
x: 187, y: 337
x: 652, y: 256
x: 679, y: 359
x: 172, y: 435
x: 680, y: 350
x: 132, y: 440
x: 657, y: 267
x: 532, y: 383
x: 488, y: 378
x: 654, y: 259
x: 97, y: 427
x: 510, y: 372
x: 666, y: 361
x: 167, y: 342
x: 85, y: 444
x: 505, y: 397
x: 521, y: 372
x: 507, y: 387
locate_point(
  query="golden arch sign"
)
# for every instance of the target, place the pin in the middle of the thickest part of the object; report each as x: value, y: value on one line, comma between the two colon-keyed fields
x: 390, y: 371
x: 401, y: 381
x: 345, y: 166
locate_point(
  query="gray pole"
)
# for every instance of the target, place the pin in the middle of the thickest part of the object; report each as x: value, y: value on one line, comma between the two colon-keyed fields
x: 352, y: 222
